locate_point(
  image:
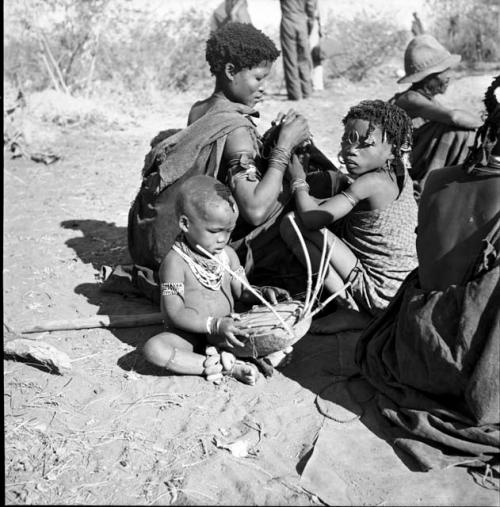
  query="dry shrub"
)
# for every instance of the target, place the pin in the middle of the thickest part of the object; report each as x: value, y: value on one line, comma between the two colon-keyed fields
x: 470, y: 28
x: 354, y: 46
x: 65, y: 110
x: 103, y: 41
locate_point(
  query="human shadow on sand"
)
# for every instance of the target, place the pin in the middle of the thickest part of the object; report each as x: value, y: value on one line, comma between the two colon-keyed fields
x: 105, y: 244
x: 325, y: 365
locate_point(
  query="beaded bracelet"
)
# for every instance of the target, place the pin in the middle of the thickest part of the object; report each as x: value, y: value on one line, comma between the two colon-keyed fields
x: 212, y: 325
x: 279, y: 158
x: 299, y: 184
x: 352, y: 200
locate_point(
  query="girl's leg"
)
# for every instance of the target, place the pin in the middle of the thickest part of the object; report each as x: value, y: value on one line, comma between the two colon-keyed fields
x: 342, y: 261
x: 342, y: 319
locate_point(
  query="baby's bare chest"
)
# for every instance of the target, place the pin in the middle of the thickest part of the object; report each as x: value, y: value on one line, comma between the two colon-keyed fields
x: 208, y: 301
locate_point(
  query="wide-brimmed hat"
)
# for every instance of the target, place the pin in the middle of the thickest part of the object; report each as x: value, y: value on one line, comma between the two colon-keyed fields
x: 425, y: 56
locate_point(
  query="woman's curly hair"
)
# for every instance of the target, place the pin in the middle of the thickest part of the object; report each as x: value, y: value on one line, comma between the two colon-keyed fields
x: 486, y: 135
x: 241, y: 44
x: 395, y: 124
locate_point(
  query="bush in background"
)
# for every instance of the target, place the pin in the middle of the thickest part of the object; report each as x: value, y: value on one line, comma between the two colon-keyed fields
x: 470, y: 28
x: 74, y: 45
x: 354, y: 46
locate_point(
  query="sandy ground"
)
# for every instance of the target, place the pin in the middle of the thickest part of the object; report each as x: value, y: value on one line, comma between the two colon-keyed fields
x: 115, y: 430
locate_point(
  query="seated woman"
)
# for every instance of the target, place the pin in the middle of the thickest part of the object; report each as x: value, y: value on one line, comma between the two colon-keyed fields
x: 434, y: 354
x: 221, y: 141
x: 441, y: 135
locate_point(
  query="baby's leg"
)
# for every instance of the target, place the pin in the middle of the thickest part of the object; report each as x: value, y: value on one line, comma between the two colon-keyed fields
x: 240, y: 370
x: 175, y: 352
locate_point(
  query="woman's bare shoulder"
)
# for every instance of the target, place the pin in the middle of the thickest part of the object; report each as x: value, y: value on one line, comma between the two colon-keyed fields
x: 239, y: 140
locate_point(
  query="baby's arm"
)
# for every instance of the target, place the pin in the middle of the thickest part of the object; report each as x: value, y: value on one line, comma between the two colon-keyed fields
x: 172, y: 280
x: 181, y: 315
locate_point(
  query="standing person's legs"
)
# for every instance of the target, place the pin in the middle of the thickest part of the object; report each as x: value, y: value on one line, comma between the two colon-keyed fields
x: 304, y: 61
x: 289, y: 55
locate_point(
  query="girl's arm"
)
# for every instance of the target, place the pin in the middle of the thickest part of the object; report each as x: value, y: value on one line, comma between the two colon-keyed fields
x: 316, y: 215
x: 171, y: 274
x: 417, y: 105
x: 257, y: 197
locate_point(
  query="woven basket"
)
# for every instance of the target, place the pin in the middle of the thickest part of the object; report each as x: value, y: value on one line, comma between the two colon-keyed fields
x: 268, y: 334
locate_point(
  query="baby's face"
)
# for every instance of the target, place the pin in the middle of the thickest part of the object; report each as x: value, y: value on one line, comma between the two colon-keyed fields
x: 213, y: 231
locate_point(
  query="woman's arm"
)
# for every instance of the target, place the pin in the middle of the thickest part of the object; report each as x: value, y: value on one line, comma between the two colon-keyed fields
x: 258, y: 197
x: 419, y: 106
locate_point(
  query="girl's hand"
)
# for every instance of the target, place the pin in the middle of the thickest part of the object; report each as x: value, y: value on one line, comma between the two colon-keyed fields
x: 295, y: 169
x: 274, y: 294
x: 294, y: 131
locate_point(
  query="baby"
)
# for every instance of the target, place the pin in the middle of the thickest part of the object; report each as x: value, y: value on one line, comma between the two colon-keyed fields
x: 198, y: 294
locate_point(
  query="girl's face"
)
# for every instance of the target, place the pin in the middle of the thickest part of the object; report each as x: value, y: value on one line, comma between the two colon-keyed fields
x: 213, y: 230
x: 247, y: 85
x: 362, y: 151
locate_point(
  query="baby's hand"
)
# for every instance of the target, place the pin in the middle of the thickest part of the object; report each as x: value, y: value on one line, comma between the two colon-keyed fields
x: 273, y: 294
x: 229, y: 329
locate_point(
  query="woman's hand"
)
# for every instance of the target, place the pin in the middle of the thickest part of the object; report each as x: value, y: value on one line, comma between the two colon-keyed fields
x: 294, y: 131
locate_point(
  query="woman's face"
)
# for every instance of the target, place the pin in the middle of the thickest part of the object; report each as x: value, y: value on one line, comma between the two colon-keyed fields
x: 213, y: 230
x: 362, y: 151
x: 438, y: 83
x: 247, y: 85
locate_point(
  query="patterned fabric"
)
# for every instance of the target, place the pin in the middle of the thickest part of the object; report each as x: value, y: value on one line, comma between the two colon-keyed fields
x: 384, y: 243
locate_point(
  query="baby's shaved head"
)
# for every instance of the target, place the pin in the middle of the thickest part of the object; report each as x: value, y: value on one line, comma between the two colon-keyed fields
x: 198, y: 193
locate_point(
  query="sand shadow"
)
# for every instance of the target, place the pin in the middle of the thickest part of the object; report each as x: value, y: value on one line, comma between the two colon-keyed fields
x: 325, y: 365
x: 100, y: 244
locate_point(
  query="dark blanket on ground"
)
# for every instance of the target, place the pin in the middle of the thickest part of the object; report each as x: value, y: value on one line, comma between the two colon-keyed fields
x: 434, y: 359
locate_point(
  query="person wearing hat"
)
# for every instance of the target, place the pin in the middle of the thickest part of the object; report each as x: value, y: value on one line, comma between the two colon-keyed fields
x: 433, y: 355
x: 441, y: 135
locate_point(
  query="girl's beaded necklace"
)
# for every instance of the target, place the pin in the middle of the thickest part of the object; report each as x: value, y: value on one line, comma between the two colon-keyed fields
x: 207, y: 271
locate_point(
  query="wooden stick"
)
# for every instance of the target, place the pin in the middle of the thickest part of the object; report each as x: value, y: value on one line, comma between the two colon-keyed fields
x: 332, y: 297
x: 324, y: 272
x: 308, y: 264
x: 138, y: 320
x: 287, y: 328
x: 319, y: 278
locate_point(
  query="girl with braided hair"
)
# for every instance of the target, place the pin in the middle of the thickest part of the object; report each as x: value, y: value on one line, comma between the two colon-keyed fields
x: 371, y: 223
x: 433, y: 356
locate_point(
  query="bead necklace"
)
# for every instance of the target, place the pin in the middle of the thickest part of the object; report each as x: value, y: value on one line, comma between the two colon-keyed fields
x: 207, y: 271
